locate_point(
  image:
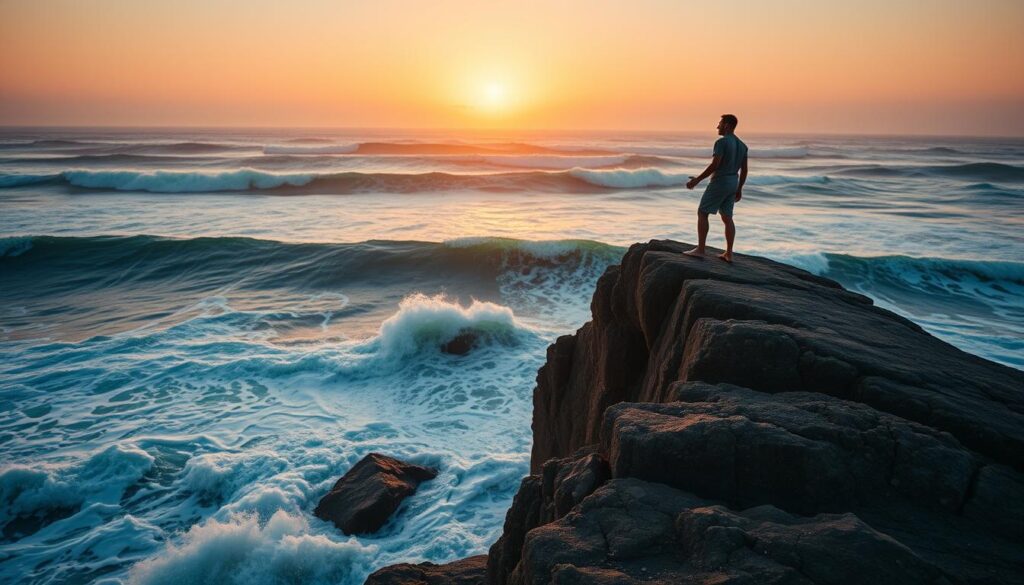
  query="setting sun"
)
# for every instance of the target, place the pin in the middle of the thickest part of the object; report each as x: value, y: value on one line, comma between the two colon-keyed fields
x: 521, y: 65
x: 493, y: 96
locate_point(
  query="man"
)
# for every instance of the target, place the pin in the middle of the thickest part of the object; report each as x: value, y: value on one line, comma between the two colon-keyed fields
x: 725, y: 189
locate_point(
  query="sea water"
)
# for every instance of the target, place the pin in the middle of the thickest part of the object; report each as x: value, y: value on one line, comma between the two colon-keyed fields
x: 201, y: 330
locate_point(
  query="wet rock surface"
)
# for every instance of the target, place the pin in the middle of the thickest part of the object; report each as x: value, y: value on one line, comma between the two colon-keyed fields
x: 469, y: 571
x: 365, y: 497
x: 461, y: 344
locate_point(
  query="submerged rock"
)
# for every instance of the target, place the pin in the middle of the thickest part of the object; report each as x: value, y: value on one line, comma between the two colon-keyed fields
x: 365, y: 497
x: 461, y: 344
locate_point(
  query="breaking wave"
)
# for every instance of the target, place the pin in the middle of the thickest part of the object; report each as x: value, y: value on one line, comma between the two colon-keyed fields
x: 242, y: 180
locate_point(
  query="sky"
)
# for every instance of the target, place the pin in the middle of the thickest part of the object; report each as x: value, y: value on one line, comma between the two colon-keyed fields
x: 852, y: 66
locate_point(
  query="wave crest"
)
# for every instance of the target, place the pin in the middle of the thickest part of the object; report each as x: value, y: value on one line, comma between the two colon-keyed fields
x: 241, y: 550
x: 431, y: 321
x: 342, y: 183
x: 184, y: 182
x: 979, y: 171
x: 630, y: 179
x: 33, y: 491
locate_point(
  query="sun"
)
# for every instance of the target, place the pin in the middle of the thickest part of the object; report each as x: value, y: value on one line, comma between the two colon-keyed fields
x: 493, y: 97
x: 494, y: 93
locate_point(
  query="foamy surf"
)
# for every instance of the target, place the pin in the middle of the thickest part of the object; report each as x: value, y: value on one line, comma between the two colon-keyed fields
x: 340, y: 183
x: 424, y: 321
x: 245, y: 427
x: 280, y: 425
x: 243, y: 550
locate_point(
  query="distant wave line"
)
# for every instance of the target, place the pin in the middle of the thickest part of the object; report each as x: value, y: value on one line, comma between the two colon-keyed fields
x: 242, y: 180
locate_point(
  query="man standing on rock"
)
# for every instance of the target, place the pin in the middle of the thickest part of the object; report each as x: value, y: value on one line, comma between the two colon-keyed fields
x: 725, y: 189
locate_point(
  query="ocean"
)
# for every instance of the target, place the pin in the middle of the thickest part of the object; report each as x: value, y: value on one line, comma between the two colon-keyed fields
x: 201, y: 330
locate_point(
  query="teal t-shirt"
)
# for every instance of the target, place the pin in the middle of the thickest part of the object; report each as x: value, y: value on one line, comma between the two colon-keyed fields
x: 733, y: 153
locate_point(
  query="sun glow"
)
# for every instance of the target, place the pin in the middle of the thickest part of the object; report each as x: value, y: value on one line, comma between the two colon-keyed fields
x: 554, y: 65
x: 493, y: 97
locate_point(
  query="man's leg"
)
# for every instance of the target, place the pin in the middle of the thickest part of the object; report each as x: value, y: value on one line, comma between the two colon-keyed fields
x: 730, y: 237
x: 702, y: 234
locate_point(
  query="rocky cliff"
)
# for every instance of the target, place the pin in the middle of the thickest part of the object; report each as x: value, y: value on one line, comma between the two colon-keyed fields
x: 754, y: 423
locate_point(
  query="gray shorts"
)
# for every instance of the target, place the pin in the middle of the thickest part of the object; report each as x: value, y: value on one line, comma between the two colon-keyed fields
x: 720, y: 195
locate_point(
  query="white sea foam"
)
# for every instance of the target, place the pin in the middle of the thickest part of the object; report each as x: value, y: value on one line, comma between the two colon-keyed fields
x: 630, y: 179
x: 99, y: 540
x: 220, y: 476
x: 102, y: 478
x: 543, y: 278
x: 813, y: 262
x: 429, y: 321
x: 242, y: 550
x: 540, y: 249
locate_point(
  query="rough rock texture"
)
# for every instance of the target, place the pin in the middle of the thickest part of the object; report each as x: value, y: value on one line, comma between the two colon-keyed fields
x: 804, y: 452
x: 541, y: 499
x: 365, y: 497
x: 760, y: 424
x: 631, y: 531
x: 468, y: 571
x: 662, y: 317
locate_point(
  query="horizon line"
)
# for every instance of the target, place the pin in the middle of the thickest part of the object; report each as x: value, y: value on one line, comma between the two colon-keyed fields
x: 5, y: 127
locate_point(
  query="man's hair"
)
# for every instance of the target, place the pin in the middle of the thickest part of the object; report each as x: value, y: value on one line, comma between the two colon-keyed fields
x: 730, y: 119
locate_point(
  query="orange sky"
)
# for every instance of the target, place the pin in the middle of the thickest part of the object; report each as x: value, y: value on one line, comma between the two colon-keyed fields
x: 863, y: 66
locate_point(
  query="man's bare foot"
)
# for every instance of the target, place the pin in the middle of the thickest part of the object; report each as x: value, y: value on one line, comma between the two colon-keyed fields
x: 727, y: 256
x: 696, y: 252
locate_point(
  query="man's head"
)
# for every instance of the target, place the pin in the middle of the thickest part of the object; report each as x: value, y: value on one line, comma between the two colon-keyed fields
x: 727, y: 124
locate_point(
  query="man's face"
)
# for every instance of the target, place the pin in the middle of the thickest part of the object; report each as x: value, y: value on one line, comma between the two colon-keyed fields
x: 722, y: 127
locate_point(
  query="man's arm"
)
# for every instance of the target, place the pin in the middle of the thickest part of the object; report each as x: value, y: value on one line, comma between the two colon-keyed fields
x: 743, y: 179
x: 694, y: 181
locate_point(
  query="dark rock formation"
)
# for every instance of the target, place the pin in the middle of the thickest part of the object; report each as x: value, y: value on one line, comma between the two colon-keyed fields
x: 803, y: 452
x: 662, y: 317
x: 468, y: 571
x: 763, y: 425
x: 365, y: 497
x: 631, y: 531
x: 543, y: 499
x: 461, y: 344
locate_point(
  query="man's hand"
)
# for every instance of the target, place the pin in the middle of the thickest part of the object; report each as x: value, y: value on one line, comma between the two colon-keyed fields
x: 692, y: 183
x: 739, y: 194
